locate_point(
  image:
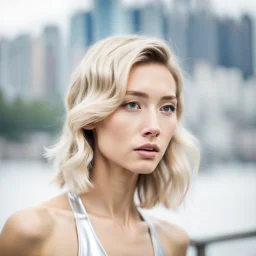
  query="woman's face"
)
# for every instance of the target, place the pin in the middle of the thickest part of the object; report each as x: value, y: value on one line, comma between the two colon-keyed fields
x: 136, y: 135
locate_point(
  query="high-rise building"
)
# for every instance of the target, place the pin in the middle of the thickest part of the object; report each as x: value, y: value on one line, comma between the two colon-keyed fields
x: 182, y: 5
x: 202, y: 38
x: 153, y: 19
x: 235, y: 39
x: 247, y: 45
x: 52, y: 51
x: 5, y: 85
x: 103, y: 18
x: 229, y: 43
x: 19, y: 66
x: 202, y: 5
x: 111, y: 17
x: 122, y: 19
x: 178, y: 30
x: 136, y: 18
x: 38, y: 69
x: 81, y: 36
x: 136, y: 23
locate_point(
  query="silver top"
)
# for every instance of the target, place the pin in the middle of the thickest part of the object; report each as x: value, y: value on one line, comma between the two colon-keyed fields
x: 88, y: 242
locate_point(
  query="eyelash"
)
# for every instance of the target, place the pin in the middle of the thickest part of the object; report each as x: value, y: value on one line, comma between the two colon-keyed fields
x: 134, y: 102
x: 173, y: 109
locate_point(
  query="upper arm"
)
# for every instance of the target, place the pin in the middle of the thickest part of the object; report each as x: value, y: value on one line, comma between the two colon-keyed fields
x: 181, y: 241
x: 175, y: 240
x: 24, y: 233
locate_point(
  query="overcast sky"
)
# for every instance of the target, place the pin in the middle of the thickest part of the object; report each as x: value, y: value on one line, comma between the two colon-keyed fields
x: 22, y: 16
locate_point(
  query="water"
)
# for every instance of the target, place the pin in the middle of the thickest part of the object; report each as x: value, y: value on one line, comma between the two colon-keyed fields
x: 221, y: 201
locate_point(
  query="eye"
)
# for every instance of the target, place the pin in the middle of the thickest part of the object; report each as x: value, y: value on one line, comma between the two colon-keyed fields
x: 168, y: 108
x: 132, y: 105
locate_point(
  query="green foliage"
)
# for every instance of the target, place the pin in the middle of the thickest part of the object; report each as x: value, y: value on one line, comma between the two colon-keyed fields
x: 19, y: 117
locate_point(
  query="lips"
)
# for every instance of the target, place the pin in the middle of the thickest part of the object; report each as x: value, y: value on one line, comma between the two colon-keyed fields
x: 148, y: 148
x: 147, y: 151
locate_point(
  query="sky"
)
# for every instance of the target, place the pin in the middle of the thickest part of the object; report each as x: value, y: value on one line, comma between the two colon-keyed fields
x: 30, y: 16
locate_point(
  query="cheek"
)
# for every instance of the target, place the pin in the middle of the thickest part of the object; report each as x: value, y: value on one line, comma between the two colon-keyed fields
x: 169, y: 129
x: 173, y: 126
x: 116, y: 128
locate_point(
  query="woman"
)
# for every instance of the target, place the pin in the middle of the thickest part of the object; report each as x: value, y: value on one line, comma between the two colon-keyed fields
x: 123, y: 146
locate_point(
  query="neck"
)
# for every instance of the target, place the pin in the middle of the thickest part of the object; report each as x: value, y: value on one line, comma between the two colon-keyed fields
x: 113, y: 194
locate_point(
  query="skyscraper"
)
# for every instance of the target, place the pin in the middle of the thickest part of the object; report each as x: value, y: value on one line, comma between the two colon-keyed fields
x: 247, y: 45
x: 38, y: 66
x: 81, y: 36
x: 5, y: 85
x: 136, y: 23
x: 202, y: 38
x: 111, y: 17
x: 153, y: 19
x: 103, y: 18
x: 19, y: 66
x: 182, y: 4
x: 178, y: 30
x: 122, y: 19
x: 52, y: 51
x: 229, y: 43
x: 202, y: 5
x: 235, y: 38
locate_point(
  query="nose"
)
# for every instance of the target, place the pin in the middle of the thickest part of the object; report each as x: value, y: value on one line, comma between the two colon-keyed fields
x: 152, y: 128
x: 151, y: 132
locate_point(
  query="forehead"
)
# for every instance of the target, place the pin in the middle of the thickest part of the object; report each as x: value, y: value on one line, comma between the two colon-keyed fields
x: 151, y: 78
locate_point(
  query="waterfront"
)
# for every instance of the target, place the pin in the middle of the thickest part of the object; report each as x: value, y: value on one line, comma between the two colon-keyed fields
x: 223, y: 200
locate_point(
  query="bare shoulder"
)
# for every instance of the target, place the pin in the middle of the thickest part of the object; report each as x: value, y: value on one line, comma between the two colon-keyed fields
x: 25, y: 232
x: 175, y: 240
x: 33, y: 231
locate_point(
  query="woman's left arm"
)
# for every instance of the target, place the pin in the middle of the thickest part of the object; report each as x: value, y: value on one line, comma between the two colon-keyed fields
x: 174, y: 239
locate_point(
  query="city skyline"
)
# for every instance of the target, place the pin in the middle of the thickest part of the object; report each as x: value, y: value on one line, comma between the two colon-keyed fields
x: 32, y: 16
x: 215, y: 55
x: 195, y: 34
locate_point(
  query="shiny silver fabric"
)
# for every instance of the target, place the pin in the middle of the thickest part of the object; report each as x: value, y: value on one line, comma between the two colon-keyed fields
x: 88, y: 242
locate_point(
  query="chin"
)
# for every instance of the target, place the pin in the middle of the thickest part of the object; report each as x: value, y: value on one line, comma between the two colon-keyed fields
x: 143, y: 169
x: 146, y: 171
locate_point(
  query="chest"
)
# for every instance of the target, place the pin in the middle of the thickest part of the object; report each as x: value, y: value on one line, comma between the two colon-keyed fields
x: 71, y: 238
x: 118, y: 241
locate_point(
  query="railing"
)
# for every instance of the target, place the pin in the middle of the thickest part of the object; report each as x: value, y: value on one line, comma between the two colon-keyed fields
x: 201, y: 244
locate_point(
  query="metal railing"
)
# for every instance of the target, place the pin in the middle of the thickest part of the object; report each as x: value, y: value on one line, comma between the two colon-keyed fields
x: 201, y: 244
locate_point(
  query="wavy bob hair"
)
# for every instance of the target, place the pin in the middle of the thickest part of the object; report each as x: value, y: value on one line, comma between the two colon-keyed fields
x: 97, y: 89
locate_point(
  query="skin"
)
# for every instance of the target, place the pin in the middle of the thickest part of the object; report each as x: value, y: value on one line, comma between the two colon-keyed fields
x: 49, y: 229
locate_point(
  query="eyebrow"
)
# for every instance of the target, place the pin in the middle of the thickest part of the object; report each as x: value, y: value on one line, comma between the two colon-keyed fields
x: 144, y: 95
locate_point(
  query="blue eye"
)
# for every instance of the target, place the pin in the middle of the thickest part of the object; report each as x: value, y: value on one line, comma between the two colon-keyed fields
x: 168, y: 108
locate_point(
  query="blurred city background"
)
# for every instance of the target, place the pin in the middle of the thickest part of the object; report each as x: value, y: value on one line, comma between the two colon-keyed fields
x: 216, y: 48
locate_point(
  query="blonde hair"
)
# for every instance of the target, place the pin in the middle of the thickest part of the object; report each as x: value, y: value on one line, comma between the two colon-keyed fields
x: 97, y: 89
